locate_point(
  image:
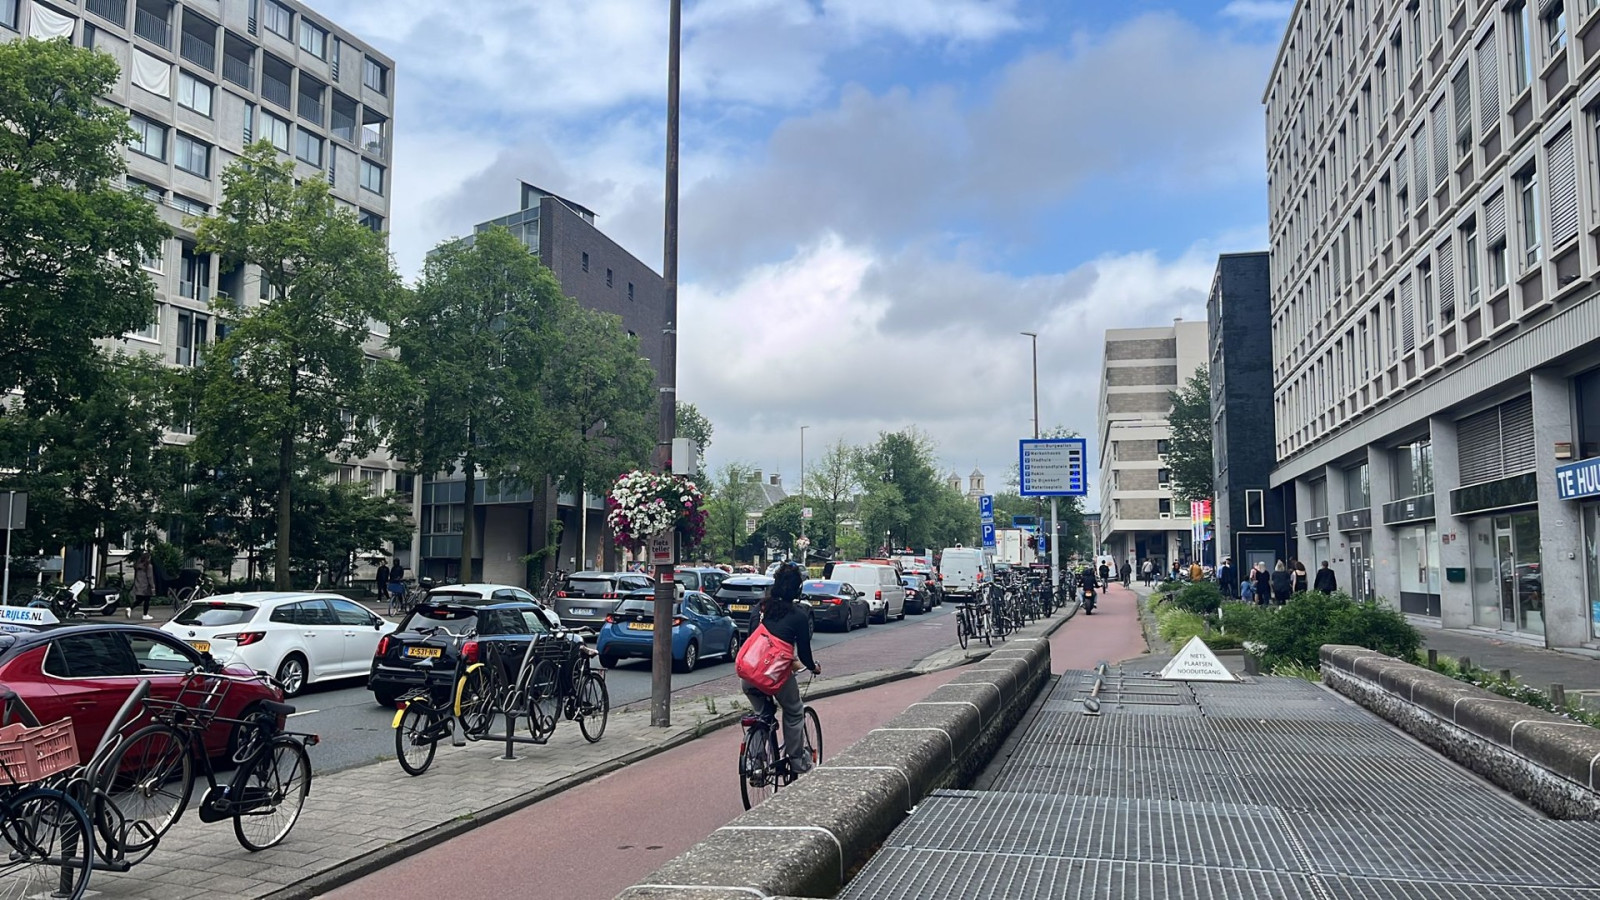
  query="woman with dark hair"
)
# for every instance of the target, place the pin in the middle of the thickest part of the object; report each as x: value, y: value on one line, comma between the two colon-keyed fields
x: 788, y: 624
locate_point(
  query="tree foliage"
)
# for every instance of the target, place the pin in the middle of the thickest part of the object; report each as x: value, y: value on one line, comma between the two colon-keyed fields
x: 831, y: 486
x: 735, y: 493
x: 1189, y: 451
x: 73, y: 237
x: 337, y: 524
x: 290, y: 378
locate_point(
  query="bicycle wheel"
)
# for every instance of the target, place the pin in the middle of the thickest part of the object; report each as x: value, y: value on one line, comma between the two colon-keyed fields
x: 961, y: 629
x: 813, y: 736
x: 757, y: 766
x: 45, y: 846
x: 594, y: 707
x: 414, y: 739
x: 147, y: 781
x: 543, y: 696
x: 474, y: 701
x: 269, y: 794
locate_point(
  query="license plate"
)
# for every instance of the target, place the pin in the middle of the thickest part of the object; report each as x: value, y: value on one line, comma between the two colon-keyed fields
x: 424, y: 652
x: 202, y: 646
x: 642, y: 626
x: 581, y: 612
x: 738, y: 607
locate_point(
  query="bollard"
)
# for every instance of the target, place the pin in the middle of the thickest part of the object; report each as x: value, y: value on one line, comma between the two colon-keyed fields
x: 1433, y: 658
x: 1252, y: 666
x: 1505, y: 674
x: 1466, y: 664
x: 1558, y: 696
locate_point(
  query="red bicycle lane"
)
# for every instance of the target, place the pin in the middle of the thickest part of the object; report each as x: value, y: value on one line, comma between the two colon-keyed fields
x: 1112, y: 634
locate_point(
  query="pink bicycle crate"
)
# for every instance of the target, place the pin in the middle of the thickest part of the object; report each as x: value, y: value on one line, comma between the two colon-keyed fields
x: 34, y: 754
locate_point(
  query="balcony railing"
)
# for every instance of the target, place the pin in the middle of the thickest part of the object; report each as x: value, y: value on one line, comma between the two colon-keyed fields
x: 375, y: 145
x: 275, y: 91
x: 152, y: 28
x: 239, y: 71
x: 343, y: 126
x: 199, y: 51
x: 310, y: 109
x: 110, y: 10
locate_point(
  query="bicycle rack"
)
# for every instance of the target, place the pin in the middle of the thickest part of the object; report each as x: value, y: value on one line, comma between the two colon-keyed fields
x: 499, y: 653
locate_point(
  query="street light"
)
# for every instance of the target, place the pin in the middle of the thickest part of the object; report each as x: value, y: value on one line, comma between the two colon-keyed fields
x: 1035, y: 337
x: 803, y: 544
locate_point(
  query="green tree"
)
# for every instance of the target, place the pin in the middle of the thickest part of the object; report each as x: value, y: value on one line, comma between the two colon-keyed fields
x: 780, y: 525
x: 831, y: 486
x: 904, y: 460
x: 336, y: 523
x: 1189, y: 451
x: 734, y: 494
x: 477, y: 343
x: 291, y: 375
x: 69, y: 261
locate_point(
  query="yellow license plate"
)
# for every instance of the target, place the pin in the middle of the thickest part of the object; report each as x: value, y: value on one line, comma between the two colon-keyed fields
x: 202, y: 646
x: 738, y: 607
x: 642, y: 626
x: 424, y: 652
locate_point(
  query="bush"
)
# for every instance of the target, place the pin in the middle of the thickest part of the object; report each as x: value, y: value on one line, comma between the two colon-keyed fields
x: 1242, y: 620
x: 1199, y: 597
x: 1293, y: 634
x: 1176, y: 625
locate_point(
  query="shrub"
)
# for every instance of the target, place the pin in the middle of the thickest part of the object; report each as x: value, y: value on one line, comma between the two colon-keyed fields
x: 1200, y: 597
x: 1242, y: 620
x: 1176, y: 625
x: 1294, y: 633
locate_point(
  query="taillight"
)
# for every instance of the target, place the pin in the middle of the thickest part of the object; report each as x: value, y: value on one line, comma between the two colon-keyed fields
x: 833, y: 601
x: 609, y: 595
x: 611, y: 620
x: 561, y: 593
x: 383, y: 646
x: 469, y: 651
x: 676, y: 621
x: 243, y: 638
x: 877, y: 595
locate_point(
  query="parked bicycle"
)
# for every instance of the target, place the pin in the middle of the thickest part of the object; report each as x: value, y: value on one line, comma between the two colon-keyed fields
x: 764, y: 761
x: 972, y: 623
x: 46, y: 846
x: 438, y: 710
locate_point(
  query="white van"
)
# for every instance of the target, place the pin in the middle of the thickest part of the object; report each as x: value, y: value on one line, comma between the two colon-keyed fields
x: 961, y: 571
x: 878, y: 584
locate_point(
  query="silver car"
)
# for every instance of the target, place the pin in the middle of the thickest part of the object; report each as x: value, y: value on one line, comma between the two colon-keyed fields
x: 588, y: 597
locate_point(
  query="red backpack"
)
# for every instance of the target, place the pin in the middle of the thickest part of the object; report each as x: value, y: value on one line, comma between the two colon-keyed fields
x: 765, y: 661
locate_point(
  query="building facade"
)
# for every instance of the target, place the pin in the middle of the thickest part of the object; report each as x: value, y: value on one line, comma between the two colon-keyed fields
x: 1139, y: 518
x: 512, y: 524
x: 1434, y: 169
x: 1247, y: 512
x: 201, y: 80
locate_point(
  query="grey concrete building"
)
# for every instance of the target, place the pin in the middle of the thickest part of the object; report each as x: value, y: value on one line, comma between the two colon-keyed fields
x: 1433, y: 173
x: 1248, y: 514
x: 1139, y: 519
x: 601, y: 275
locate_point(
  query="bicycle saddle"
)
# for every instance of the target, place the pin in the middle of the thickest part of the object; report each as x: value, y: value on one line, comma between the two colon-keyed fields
x: 277, y: 709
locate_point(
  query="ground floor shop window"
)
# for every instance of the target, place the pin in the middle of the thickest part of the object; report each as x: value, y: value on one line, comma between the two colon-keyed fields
x: 1419, y: 569
x: 1507, y: 581
x: 1591, y: 553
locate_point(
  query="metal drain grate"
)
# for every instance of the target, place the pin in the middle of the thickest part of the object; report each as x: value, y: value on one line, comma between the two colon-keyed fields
x: 1388, y: 889
x: 1084, y: 781
x: 1342, y: 737
x: 1317, y: 794
x: 1098, y: 828
x: 1420, y: 769
x: 1141, y: 731
x: 1475, y: 850
x: 898, y: 874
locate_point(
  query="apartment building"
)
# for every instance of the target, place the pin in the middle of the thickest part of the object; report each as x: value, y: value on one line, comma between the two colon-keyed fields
x: 202, y: 79
x: 1434, y: 203
x: 1139, y: 519
x: 598, y: 273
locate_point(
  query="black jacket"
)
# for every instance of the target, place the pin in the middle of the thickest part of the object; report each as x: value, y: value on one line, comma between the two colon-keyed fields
x: 1263, y: 580
x: 1086, y: 579
x: 1326, y: 582
x: 1225, y: 578
x: 1282, y: 585
x: 791, y: 626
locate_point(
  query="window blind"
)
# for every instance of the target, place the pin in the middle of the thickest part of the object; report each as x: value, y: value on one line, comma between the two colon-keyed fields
x: 1563, y: 179
x: 1494, y: 219
x: 1441, y: 141
x: 1445, y: 267
x: 1488, y: 82
x: 1461, y: 87
x: 1516, y: 436
x: 1408, y: 315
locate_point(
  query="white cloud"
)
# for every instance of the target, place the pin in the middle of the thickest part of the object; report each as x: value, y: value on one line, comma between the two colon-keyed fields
x: 1259, y: 10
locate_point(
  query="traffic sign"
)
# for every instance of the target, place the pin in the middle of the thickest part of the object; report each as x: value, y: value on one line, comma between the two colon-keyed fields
x: 988, y: 535
x: 986, y: 508
x: 805, y: 512
x: 1054, y: 467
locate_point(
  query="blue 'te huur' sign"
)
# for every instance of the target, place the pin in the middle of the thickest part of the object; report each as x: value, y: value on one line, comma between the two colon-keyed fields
x: 1579, y: 479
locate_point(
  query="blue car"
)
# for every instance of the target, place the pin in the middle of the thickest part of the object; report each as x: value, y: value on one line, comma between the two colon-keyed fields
x: 700, y: 628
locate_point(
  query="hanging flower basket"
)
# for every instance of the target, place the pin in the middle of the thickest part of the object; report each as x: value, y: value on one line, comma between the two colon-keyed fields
x: 642, y: 504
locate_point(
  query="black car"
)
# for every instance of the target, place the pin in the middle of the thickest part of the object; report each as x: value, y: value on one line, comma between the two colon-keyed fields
x: 395, y: 670
x: 919, y: 598
x: 931, y: 585
x: 835, y: 603
x: 740, y: 594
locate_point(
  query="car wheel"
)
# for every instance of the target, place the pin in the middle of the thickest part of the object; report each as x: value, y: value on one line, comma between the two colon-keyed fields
x: 292, y: 674
x: 691, y: 658
x: 733, y: 646
x: 607, y: 661
x: 386, y: 699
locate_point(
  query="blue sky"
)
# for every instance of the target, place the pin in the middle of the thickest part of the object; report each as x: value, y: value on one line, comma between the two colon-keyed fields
x: 898, y: 185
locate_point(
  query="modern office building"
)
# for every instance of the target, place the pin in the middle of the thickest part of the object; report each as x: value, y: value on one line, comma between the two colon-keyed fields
x: 1247, y: 512
x: 512, y: 524
x: 1433, y: 174
x: 201, y: 80
x: 1139, y: 519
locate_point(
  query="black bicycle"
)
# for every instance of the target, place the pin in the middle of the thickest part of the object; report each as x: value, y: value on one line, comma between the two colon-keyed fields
x: 972, y: 623
x: 46, y: 843
x: 445, y: 703
x: 763, y: 760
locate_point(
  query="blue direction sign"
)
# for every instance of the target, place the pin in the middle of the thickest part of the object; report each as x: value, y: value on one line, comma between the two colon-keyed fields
x: 986, y: 508
x: 988, y: 535
x: 1053, y: 467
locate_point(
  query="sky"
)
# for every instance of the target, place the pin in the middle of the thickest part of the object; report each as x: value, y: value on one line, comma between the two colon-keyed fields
x: 877, y: 196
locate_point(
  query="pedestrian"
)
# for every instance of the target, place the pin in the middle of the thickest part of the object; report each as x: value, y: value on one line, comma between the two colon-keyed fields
x: 397, y: 582
x: 1147, y: 572
x: 382, y: 581
x: 1174, y: 574
x: 1326, y: 582
x: 1263, y: 584
x: 1298, y: 569
x: 1282, y: 583
x: 1105, y: 576
x: 1126, y: 573
x: 1247, y: 588
x: 144, y: 583
x: 1226, y: 579
x: 1197, y: 573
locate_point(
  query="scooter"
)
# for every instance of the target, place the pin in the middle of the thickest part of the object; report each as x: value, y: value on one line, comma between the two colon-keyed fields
x: 1088, y: 600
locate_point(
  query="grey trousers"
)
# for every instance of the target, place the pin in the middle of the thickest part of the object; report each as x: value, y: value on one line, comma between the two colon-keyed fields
x: 788, y: 697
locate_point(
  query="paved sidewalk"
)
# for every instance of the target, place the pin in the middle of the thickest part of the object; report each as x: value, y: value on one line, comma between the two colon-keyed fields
x: 1533, y: 666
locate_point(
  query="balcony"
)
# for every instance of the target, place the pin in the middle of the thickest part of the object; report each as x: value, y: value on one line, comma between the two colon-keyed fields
x: 311, y: 105
x: 115, y: 11
x: 275, y: 90
x: 198, y: 43
x: 343, y: 124
x: 239, y: 71
x: 153, y: 26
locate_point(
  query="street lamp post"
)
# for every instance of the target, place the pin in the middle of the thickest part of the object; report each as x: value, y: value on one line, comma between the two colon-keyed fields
x: 1055, y: 543
x: 661, y: 646
x: 803, y: 544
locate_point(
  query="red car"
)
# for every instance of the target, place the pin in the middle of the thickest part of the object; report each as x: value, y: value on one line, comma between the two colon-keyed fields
x: 86, y: 671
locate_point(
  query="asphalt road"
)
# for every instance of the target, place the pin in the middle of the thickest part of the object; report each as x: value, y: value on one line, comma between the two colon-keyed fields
x: 356, y: 731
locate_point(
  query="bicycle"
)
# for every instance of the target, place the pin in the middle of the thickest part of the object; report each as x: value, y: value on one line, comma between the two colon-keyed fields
x: 972, y: 623
x: 46, y: 847
x: 151, y: 773
x: 434, y: 714
x: 763, y: 761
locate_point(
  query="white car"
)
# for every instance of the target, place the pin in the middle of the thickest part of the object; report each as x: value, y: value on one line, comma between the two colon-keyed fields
x: 297, y: 637
x: 498, y: 593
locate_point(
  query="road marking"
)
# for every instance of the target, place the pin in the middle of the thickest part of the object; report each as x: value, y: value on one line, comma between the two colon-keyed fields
x: 306, y: 712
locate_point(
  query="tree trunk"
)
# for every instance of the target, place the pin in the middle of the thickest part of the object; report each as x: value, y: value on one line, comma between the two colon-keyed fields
x: 280, y: 562
x: 468, y: 525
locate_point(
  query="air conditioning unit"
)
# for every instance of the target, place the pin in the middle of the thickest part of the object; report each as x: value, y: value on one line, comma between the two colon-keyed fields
x: 1166, y: 515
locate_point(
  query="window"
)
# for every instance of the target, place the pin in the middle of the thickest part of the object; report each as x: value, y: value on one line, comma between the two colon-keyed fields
x: 1416, y: 33
x: 608, y: 278
x: 89, y: 31
x: 189, y: 205
x: 1255, y: 508
x: 194, y: 94
x: 1470, y: 277
x: 372, y: 177
x: 1461, y: 87
x: 160, y: 655
x: 193, y: 330
x: 375, y: 76
x: 153, y: 263
x: 1163, y: 477
x: 308, y: 147
x: 249, y: 124
x: 278, y: 18
x: 97, y: 654
x: 1413, y: 469
x: 1588, y: 391
x: 152, y: 329
x: 1163, y: 446
x: 1528, y: 191
x: 1554, y: 17
x: 371, y: 220
x: 149, y: 138
x: 1425, y: 289
x: 313, y: 39
x: 586, y: 262
x: 8, y: 14
x: 630, y: 290
x: 275, y: 130
x: 192, y: 156
x: 1521, y: 50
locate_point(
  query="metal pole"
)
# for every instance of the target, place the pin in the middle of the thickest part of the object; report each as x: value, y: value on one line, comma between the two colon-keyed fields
x: 1035, y: 338
x: 5, y: 580
x: 1055, y: 546
x: 803, y: 555
x: 661, y: 646
x: 583, y: 526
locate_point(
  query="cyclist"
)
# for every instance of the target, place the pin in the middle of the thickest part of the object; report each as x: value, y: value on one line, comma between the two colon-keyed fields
x: 787, y: 623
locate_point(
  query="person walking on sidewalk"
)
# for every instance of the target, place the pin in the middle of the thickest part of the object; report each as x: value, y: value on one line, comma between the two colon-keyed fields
x: 144, y: 582
x: 382, y: 580
x: 1127, y: 573
x: 1298, y: 570
x: 1147, y: 572
x: 1263, y: 584
x: 1105, y: 576
x: 1226, y: 578
x: 1326, y: 582
x: 788, y: 624
x: 1282, y: 584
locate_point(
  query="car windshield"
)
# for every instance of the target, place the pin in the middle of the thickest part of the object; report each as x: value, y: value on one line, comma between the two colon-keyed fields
x: 822, y: 587
x: 689, y: 580
x: 212, y: 615
x: 911, y: 581
x: 591, y: 585
x: 457, y: 617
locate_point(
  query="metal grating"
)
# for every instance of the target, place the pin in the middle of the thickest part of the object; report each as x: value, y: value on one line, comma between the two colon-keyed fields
x: 1340, y: 737
x: 1317, y: 794
x: 1150, y: 784
x: 1389, y: 889
x: 1065, y: 727
x: 1474, y: 849
x: 903, y: 874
